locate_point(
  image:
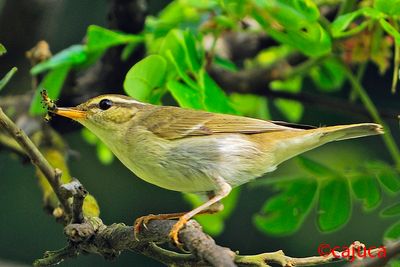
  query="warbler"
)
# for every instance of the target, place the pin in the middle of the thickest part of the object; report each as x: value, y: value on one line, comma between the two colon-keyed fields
x: 197, y: 151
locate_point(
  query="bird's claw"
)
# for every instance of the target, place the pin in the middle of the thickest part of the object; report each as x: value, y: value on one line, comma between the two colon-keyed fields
x: 173, y: 234
x: 142, y: 221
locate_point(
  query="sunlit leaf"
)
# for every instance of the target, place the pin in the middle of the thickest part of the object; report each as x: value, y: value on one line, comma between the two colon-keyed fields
x: 175, y: 13
x: 185, y: 96
x: 284, y: 213
x: 144, y: 76
x: 53, y: 83
x: 291, y: 85
x: 272, y: 54
x: 294, y: 23
x: 71, y: 56
x: 251, y: 105
x: 291, y: 109
x: 99, y: 38
x: 334, y: 207
x: 182, y: 46
x: 340, y: 26
x: 215, y: 98
x: 390, y: 7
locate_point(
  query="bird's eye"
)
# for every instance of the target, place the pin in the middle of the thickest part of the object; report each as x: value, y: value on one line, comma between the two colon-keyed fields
x: 105, y: 104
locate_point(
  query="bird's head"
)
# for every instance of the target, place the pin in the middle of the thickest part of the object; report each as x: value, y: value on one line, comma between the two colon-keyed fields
x: 104, y: 112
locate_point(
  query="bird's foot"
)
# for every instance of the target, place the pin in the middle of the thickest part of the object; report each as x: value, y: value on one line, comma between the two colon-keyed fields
x: 142, y: 221
x: 173, y: 234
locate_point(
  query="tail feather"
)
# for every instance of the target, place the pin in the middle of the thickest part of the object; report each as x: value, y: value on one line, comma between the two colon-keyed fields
x: 343, y: 132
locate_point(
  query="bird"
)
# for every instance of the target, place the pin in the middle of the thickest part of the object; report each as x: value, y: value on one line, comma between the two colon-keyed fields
x: 195, y: 151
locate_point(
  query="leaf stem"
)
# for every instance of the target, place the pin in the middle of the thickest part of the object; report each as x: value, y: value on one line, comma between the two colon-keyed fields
x: 370, y: 106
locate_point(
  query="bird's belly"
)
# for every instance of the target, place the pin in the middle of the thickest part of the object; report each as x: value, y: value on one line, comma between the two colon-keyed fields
x: 193, y: 164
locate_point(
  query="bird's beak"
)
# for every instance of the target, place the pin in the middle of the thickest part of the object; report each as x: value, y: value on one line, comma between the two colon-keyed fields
x: 72, y: 113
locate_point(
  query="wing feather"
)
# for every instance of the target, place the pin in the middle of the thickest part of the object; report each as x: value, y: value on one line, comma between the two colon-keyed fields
x: 179, y: 123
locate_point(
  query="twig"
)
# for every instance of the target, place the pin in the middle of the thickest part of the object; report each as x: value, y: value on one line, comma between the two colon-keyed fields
x: 76, y: 190
x: 392, y: 251
x: 36, y: 157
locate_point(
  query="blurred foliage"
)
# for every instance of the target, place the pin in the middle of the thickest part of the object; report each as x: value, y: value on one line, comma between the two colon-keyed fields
x: 177, y: 65
x: 331, y: 191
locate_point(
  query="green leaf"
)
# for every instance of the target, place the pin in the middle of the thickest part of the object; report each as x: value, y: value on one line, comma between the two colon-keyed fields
x: 392, y: 210
x: 250, y: 105
x: 192, y: 56
x: 99, y: 38
x: 213, y: 224
x: 284, y: 213
x: 53, y: 83
x: 104, y: 153
x: 172, y: 47
x: 186, y: 96
x: 7, y: 77
x: 3, y: 50
x: 144, y: 76
x: 329, y: 76
x: 340, y: 25
x: 215, y: 99
x: 334, y: 206
x: 390, y: 7
x: 390, y: 30
x: 393, y: 232
x: 291, y: 85
x: 181, y: 71
x: 273, y: 54
x: 71, y: 56
x: 182, y: 45
x: 175, y: 13
x: 291, y: 109
x: 388, y: 177
x: 294, y: 23
x: 366, y: 188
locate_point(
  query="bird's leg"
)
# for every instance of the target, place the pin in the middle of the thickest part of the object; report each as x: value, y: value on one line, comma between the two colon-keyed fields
x: 142, y: 221
x: 223, y: 190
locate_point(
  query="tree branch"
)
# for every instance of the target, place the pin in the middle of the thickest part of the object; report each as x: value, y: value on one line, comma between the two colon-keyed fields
x: 53, y: 175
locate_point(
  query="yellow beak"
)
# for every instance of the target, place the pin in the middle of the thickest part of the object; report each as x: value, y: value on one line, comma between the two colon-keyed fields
x: 71, y: 113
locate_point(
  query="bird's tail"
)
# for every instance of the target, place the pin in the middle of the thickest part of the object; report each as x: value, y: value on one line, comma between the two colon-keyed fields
x: 343, y: 132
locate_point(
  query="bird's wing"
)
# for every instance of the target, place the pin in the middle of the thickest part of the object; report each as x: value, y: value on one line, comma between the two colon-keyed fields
x: 179, y: 123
